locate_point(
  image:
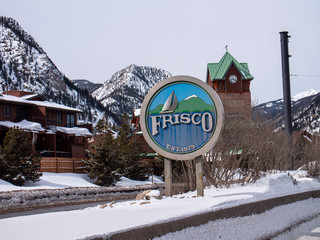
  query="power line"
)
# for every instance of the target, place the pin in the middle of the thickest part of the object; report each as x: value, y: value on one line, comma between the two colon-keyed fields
x: 305, y: 75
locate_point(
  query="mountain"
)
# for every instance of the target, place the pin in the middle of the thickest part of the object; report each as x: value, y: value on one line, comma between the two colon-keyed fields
x: 86, y: 84
x: 190, y: 104
x: 126, y: 89
x: 305, y: 111
x: 24, y: 65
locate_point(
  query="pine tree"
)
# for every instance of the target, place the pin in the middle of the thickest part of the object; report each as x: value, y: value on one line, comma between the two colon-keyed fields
x: 17, y: 161
x: 129, y: 153
x: 103, y: 163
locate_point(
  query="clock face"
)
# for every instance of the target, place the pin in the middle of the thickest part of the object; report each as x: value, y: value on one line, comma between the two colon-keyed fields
x: 233, y: 79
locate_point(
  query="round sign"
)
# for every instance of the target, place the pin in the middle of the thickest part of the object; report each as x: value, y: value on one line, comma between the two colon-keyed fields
x: 181, y: 118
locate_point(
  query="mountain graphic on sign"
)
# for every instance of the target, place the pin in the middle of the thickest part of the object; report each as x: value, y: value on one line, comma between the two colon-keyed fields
x: 190, y: 104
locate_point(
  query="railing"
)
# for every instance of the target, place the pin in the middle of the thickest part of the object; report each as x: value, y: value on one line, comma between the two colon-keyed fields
x: 40, y: 120
x: 62, y: 165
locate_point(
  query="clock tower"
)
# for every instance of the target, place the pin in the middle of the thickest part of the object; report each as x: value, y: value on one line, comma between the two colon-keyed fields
x: 231, y: 80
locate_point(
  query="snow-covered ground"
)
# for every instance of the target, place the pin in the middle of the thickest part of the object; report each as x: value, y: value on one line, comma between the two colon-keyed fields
x: 112, y: 217
x: 66, y: 180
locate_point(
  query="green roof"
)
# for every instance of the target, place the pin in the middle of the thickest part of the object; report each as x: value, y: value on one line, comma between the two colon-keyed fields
x: 218, y: 71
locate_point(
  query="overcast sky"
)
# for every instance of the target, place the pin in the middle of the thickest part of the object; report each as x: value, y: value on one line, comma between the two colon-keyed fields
x: 94, y: 39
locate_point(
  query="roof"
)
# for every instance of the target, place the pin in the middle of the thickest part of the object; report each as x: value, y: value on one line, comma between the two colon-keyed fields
x: 47, y: 104
x: 218, y: 71
x: 33, y: 97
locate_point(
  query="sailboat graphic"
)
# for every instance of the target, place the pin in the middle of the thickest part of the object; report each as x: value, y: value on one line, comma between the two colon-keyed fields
x: 171, y: 104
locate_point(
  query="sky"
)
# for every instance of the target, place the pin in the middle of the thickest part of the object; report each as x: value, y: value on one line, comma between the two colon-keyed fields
x: 94, y: 39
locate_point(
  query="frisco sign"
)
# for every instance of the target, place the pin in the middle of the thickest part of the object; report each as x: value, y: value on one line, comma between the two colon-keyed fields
x: 181, y: 118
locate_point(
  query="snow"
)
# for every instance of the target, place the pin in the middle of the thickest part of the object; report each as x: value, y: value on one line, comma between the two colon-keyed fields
x: 126, y: 182
x: 269, y: 105
x: 51, y: 181
x: 10, y: 98
x: 24, y: 124
x: 75, y: 131
x: 137, y: 112
x: 192, y: 96
x: 123, y: 215
x: 308, y: 93
x: 67, y: 180
x: 237, y: 228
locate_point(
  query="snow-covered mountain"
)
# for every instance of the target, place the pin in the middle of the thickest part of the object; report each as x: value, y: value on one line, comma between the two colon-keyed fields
x: 305, y: 111
x: 24, y: 65
x: 86, y: 84
x: 126, y: 89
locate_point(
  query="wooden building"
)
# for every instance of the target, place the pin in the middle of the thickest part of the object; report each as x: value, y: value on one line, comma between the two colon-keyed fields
x: 147, y: 153
x: 231, y: 80
x: 51, y: 127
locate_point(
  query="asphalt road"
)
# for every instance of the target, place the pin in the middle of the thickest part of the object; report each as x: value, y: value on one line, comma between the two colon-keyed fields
x: 52, y: 209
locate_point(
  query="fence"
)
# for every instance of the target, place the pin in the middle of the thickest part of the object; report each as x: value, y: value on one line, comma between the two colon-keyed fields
x: 62, y: 165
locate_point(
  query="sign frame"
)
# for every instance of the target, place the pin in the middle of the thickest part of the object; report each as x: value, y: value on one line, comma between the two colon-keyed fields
x: 219, y: 117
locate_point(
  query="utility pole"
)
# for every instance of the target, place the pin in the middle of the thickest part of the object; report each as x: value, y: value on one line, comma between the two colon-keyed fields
x: 284, y: 38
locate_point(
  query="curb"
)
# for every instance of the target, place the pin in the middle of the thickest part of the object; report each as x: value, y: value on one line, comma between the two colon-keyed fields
x: 156, y: 230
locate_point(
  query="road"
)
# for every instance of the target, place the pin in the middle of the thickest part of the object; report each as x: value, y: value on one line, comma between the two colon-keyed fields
x: 52, y: 209
x: 307, y: 231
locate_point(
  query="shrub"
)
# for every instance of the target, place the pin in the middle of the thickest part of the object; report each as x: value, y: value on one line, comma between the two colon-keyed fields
x: 18, y: 163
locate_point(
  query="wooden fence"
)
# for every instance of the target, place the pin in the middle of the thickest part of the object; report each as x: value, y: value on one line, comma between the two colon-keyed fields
x: 62, y: 165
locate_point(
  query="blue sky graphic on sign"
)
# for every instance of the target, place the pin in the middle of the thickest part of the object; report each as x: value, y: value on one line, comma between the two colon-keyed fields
x: 181, y: 117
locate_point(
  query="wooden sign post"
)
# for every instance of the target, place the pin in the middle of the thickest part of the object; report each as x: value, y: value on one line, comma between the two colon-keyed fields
x: 168, y: 177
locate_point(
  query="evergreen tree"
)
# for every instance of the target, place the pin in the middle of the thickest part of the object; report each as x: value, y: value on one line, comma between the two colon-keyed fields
x: 129, y: 153
x: 17, y: 161
x: 103, y: 163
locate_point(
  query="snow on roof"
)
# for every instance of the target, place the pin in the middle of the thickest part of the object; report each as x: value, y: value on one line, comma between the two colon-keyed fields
x: 22, y: 100
x: 75, y: 131
x: 24, y: 124
x: 31, y: 96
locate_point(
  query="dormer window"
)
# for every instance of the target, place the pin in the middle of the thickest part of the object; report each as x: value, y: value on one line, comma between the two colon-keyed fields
x: 7, y: 111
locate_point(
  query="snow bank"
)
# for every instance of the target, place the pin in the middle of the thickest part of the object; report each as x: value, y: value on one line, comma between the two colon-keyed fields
x: 62, y: 188
x: 107, y: 219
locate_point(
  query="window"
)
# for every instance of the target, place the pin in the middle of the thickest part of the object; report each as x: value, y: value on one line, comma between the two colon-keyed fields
x: 7, y: 110
x: 59, y: 118
x: 70, y: 120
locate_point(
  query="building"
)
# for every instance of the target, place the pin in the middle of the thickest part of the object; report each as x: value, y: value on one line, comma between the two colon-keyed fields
x: 231, y: 80
x: 51, y: 127
x: 147, y: 153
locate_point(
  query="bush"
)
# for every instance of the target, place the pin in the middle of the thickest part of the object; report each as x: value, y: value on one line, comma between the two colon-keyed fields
x: 245, y: 151
x: 129, y: 150
x: 18, y: 163
x: 103, y: 164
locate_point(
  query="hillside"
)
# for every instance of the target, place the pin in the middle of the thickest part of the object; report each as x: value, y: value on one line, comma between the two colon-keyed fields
x: 305, y: 111
x: 126, y: 89
x: 86, y: 84
x: 24, y: 65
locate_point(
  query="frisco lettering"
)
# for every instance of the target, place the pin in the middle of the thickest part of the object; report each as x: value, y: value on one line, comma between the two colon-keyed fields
x: 180, y: 149
x: 205, y: 119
